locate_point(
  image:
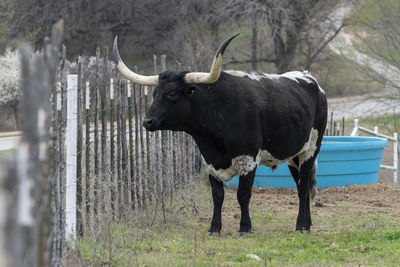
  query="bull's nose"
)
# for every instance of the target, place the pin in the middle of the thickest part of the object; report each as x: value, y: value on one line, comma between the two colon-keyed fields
x: 147, y: 123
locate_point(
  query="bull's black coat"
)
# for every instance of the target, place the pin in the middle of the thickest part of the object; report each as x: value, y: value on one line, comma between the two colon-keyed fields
x: 238, y: 116
x: 239, y: 120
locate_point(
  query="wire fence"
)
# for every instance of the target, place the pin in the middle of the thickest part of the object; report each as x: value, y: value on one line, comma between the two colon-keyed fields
x: 83, y: 133
x: 335, y: 128
x: 119, y: 165
x: 84, y: 156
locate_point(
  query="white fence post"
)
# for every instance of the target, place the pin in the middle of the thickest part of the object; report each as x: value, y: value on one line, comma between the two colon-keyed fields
x: 395, y: 159
x: 395, y: 140
x: 355, y: 129
x: 71, y: 144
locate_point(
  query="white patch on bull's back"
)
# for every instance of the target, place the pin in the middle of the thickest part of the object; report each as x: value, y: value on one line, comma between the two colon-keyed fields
x: 242, y: 165
x: 292, y: 75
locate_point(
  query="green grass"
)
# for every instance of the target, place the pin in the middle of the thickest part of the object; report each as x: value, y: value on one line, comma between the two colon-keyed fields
x: 346, y: 239
x: 387, y: 124
x: 6, y: 152
x: 275, y: 249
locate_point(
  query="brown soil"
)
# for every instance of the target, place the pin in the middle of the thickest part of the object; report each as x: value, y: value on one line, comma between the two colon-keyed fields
x: 336, y: 209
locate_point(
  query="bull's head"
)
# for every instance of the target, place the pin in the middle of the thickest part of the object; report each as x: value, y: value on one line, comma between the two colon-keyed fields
x: 171, y: 107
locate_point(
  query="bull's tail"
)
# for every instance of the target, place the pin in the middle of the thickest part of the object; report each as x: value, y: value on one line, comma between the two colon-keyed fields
x: 313, y: 182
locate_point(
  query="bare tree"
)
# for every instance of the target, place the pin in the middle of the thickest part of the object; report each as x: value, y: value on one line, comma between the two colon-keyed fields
x: 297, y: 30
x: 286, y: 33
x: 10, y: 82
x: 377, y: 28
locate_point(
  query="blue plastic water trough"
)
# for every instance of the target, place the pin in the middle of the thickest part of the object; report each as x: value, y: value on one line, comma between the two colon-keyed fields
x: 343, y: 160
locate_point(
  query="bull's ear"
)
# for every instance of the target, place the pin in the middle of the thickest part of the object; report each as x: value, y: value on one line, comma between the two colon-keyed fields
x: 190, y: 90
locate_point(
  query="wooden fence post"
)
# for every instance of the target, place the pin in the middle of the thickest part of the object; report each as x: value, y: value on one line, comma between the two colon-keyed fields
x: 87, y: 186
x: 114, y: 187
x: 164, y: 143
x: 119, y: 177
x: 156, y: 148
x: 105, y: 196
x: 31, y: 176
x: 142, y: 150
x: 61, y: 117
x: 95, y: 91
x: 131, y: 155
x: 147, y: 96
x: 79, y: 182
x: 135, y: 185
x: 124, y: 147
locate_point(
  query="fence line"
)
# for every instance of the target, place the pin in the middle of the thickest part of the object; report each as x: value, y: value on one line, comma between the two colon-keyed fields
x: 335, y: 128
x: 84, y: 158
x: 125, y: 167
x: 32, y: 190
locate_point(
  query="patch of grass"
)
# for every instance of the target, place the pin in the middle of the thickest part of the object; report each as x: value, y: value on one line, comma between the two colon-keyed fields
x: 387, y: 124
x: 276, y: 249
x: 362, y: 240
x: 7, y: 152
x: 347, y: 238
x: 346, y: 208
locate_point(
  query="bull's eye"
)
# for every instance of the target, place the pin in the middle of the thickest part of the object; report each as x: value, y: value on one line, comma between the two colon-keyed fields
x: 173, y: 95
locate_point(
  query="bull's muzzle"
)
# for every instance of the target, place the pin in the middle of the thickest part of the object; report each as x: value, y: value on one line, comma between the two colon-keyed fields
x: 150, y: 124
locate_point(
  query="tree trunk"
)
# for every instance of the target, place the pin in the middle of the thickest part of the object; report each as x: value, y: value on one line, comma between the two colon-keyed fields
x: 15, y: 108
x: 254, y: 39
x: 215, y: 34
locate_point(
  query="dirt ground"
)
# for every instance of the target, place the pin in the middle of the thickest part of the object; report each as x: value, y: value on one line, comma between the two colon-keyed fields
x: 336, y: 209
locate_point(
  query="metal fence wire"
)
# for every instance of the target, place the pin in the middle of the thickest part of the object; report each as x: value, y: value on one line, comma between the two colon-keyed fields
x: 119, y: 165
x: 83, y: 133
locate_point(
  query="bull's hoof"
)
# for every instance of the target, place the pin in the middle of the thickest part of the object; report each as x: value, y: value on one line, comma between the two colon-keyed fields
x: 243, y: 234
x: 303, y: 231
x: 214, y: 234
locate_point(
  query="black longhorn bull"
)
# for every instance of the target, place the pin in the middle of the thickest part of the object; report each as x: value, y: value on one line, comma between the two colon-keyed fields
x: 240, y: 120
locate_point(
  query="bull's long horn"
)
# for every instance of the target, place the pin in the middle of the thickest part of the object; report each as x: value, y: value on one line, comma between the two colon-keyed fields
x: 130, y: 75
x: 213, y: 75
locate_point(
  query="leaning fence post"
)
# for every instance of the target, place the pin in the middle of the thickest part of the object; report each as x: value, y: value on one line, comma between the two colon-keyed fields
x: 71, y: 144
x: 355, y: 130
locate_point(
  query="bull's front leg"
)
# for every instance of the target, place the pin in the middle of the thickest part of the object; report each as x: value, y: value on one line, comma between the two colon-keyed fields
x: 217, y: 189
x: 243, y: 196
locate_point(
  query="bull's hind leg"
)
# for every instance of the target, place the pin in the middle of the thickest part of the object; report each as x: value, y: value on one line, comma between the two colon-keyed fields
x: 304, y: 176
x: 217, y: 189
x: 243, y: 196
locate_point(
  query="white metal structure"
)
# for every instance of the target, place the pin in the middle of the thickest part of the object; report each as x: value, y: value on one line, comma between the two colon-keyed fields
x: 395, y: 140
x: 71, y: 141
